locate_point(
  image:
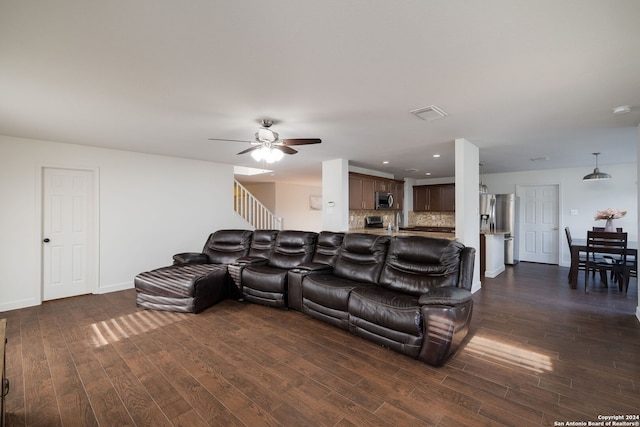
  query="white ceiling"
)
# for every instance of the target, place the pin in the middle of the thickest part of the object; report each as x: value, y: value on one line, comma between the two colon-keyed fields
x: 521, y: 79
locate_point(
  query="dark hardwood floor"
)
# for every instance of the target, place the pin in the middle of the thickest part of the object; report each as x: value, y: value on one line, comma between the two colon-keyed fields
x: 538, y: 353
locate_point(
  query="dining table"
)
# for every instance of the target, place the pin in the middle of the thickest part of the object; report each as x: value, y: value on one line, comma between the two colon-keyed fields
x: 580, y: 245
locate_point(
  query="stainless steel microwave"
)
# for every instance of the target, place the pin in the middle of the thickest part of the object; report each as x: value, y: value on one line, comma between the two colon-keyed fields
x: 384, y: 200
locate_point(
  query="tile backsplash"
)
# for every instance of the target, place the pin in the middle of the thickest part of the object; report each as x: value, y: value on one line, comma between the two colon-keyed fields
x: 356, y: 218
x: 434, y: 219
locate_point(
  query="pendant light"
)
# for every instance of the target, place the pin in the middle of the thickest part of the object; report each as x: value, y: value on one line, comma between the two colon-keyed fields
x: 483, y: 187
x: 596, y: 175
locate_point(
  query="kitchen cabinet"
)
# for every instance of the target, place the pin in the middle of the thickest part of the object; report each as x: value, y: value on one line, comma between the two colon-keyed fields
x: 397, y: 189
x: 420, y: 198
x: 434, y: 198
x: 448, y: 198
x: 362, y: 190
x: 384, y: 186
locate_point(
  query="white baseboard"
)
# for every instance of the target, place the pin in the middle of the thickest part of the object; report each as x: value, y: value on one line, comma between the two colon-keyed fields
x: 15, y: 305
x: 476, y: 287
x: 115, y: 287
x: 494, y: 273
x: 30, y: 302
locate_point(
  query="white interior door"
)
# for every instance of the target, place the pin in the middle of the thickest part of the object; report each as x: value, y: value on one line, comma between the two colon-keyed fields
x: 539, y: 230
x: 67, y: 221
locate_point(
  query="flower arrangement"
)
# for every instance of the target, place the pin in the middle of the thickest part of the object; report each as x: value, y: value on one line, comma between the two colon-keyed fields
x: 610, y: 213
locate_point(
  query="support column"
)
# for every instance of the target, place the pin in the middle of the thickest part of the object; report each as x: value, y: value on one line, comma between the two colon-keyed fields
x: 335, y: 195
x: 468, y: 201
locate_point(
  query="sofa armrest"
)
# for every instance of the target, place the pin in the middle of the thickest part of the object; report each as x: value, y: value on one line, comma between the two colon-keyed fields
x: 467, y: 260
x: 235, y: 272
x: 296, y: 275
x: 311, y: 267
x: 445, y: 325
x: 190, y: 258
x: 250, y: 260
x: 445, y: 295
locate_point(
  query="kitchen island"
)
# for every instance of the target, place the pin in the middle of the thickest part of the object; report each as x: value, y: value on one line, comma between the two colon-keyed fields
x: 492, y: 253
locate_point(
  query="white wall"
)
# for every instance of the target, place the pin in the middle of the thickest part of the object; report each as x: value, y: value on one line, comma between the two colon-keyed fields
x: 265, y: 193
x: 150, y: 207
x: 585, y: 197
x: 292, y: 205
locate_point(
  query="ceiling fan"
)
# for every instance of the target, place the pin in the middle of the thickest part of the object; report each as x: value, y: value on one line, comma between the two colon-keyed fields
x: 267, y: 144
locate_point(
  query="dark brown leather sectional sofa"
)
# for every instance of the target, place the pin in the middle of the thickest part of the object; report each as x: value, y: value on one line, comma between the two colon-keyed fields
x: 410, y: 293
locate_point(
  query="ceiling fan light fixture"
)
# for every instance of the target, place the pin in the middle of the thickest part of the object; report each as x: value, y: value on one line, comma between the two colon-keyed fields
x: 267, y: 145
x: 266, y: 135
x: 596, y: 175
x: 267, y: 154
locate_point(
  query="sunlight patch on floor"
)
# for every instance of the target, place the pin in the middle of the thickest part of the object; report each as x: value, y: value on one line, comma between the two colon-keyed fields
x: 113, y: 330
x: 510, y: 354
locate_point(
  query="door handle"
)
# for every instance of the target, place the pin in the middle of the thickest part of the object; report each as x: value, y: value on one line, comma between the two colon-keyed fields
x: 555, y: 228
x: 46, y: 240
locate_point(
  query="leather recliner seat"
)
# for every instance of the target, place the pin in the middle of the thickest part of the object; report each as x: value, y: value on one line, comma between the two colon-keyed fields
x: 262, y: 242
x: 390, y: 313
x: 197, y: 280
x: 359, y: 263
x: 324, y: 259
x: 267, y: 283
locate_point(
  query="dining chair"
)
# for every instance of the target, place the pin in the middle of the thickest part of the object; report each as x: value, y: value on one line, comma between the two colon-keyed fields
x: 612, y: 251
x: 582, y: 259
x: 632, y: 267
x: 618, y: 229
x: 613, y: 276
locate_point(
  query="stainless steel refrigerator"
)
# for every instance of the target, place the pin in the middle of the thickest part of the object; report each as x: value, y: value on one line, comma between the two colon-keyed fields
x: 487, y: 212
x: 507, y: 220
x: 499, y: 212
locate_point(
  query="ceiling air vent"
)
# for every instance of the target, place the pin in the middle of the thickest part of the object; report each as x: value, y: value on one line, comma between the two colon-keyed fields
x: 429, y: 113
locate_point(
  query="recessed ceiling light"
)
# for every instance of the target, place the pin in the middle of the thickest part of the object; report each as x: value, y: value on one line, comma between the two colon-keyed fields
x: 623, y: 109
x: 385, y: 162
x: 411, y: 170
x: 436, y: 155
x: 427, y: 173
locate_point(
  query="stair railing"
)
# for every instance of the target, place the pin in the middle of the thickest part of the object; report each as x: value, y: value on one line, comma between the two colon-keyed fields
x: 252, y: 210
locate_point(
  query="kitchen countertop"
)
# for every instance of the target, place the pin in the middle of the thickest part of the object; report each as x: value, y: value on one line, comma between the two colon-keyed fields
x: 495, y: 232
x: 430, y: 228
x: 385, y: 232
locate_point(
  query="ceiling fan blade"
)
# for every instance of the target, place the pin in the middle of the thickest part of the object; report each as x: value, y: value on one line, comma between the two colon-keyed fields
x: 250, y: 149
x: 285, y: 149
x: 300, y: 141
x: 232, y: 140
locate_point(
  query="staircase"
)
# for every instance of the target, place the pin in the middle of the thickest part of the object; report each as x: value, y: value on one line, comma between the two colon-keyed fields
x: 255, y: 213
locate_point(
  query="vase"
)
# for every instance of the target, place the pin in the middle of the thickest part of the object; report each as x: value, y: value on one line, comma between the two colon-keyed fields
x: 608, y: 226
